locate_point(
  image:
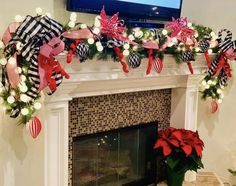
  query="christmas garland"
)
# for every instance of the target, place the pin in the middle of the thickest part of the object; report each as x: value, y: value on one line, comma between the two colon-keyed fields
x: 29, y: 46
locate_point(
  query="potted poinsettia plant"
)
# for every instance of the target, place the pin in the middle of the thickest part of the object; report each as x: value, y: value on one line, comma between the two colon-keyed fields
x: 181, y: 151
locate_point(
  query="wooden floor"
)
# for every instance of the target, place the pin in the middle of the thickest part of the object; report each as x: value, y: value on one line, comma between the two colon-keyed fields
x: 203, y: 179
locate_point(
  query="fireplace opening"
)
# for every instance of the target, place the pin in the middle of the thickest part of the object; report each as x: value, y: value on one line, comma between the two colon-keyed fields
x: 120, y: 157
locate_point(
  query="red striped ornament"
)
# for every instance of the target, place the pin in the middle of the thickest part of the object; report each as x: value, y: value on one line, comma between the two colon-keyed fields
x: 158, y: 65
x: 213, y: 106
x: 34, y: 127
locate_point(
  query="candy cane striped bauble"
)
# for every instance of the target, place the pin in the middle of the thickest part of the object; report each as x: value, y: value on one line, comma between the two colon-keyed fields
x: 158, y: 64
x: 34, y: 127
x: 134, y: 61
x: 204, y: 45
x: 82, y: 49
x: 213, y: 106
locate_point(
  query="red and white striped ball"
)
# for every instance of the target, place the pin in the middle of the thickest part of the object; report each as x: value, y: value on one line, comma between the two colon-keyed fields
x: 213, y: 106
x: 158, y: 64
x: 34, y: 127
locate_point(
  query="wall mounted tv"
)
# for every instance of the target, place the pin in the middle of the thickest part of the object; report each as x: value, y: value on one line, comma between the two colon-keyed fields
x: 133, y: 9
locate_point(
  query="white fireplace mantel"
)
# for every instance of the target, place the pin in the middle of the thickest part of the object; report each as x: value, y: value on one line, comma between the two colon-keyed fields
x: 94, y: 78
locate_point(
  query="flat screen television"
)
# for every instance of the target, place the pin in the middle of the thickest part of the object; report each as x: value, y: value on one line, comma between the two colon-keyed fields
x: 132, y: 9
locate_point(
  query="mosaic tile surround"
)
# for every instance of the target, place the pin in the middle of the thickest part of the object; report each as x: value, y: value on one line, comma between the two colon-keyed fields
x: 89, y: 115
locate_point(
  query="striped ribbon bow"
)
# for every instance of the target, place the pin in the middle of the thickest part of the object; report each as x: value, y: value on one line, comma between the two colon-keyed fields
x: 32, y: 34
x: 220, y: 66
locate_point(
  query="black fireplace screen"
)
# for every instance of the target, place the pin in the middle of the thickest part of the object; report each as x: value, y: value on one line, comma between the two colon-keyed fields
x: 121, y: 157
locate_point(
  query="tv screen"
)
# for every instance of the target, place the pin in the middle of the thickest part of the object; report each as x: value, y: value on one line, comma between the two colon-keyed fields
x: 136, y: 9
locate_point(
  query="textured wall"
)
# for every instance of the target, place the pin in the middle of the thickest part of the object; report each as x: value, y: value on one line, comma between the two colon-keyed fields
x: 103, y: 113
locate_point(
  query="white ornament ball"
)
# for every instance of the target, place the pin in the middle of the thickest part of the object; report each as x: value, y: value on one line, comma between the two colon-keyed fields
x: 207, y: 86
x: 100, y: 48
x: 39, y: 10
x: 131, y: 37
x: 1, y: 45
x: 197, y: 49
x: 12, y: 60
x: 219, y: 100
x: 209, y: 82
x: 204, y: 83
x: 96, y: 31
x: 73, y: 16
x: 219, y: 91
x: 97, y: 23
x: 24, y: 98
x: 23, y: 88
x: 222, y: 96
x: 13, y: 93
x: 83, y: 26
x: 37, y: 105
x: 18, y: 18
x: 23, y: 78
x: 71, y: 24
x: 19, y: 70
x: 126, y: 46
x: 126, y: 52
x: 213, y: 34
x: 3, y: 61
x: 91, y: 41
x: 210, y: 51
x: 98, y: 44
x: 135, y: 48
x: 24, y: 111
x: 10, y: 99
x: 164, y: 32
x: 189, y: 24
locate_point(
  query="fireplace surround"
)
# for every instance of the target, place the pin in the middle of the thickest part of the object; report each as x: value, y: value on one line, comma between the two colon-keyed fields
x: 98, y: 78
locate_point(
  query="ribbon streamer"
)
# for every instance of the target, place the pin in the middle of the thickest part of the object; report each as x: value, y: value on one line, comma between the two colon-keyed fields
x: 72, y: 51
x: 49, y: 66
x: 121, y: 56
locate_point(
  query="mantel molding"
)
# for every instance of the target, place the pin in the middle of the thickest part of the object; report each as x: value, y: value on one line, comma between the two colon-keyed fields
x: 106, y: 77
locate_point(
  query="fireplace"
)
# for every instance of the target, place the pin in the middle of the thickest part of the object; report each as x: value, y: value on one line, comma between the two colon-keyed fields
x: 80, y: 106
x: 120, y: 157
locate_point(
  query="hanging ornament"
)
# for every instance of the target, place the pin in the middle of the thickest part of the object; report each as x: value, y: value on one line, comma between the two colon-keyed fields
x: 187, y: 57
x: 213, y: 106
x: 82, y: 49
x: 158, y: 65
x: 134, y: 60
x: 34, y: 127
x: 204, y: 46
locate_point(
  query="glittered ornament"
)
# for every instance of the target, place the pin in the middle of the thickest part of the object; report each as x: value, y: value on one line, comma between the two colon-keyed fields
x: 134, y: 60
x: 187, y: 57
x: 82, y: 49
x: 213, y: 106
x: 204, y: 45
x: 158, y: 65
x: 34, y: 127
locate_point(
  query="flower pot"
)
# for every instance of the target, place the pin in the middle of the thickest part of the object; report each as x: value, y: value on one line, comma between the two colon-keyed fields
x: 175, y: 178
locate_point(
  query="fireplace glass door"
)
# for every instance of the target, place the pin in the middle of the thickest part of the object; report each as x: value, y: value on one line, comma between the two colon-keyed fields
x: 122, y: 157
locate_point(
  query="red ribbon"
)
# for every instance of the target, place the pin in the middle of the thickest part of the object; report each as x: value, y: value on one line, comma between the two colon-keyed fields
x: 190, y: 67
x: 72, y: 50
x: 121, y: 56
x: 150, y: 60
x: 207, y: 59
x: 50, y: 65
x: 223, y: 64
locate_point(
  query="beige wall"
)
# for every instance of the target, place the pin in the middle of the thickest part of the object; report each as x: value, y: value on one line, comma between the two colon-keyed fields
x: 217, y: 130
x: 21, y: 158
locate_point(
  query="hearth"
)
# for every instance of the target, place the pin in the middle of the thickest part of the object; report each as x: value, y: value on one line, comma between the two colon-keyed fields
x: 120, y: 157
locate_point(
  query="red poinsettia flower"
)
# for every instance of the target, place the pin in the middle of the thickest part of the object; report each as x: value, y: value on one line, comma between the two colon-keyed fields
x: 165, y: 140
x: 112, y: 27
x: 177, y: 25
x: 190, y: 140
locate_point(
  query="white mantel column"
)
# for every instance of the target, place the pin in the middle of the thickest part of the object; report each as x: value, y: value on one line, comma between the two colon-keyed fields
x: 56, y: 143
x: 184, y: 106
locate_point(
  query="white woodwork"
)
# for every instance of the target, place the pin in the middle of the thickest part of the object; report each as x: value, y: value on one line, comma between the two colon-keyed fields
x: 106, y: 77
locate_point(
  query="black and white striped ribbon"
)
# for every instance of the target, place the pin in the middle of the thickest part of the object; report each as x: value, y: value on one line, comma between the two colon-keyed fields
x: 155, y: 33
x: 115, y: 43
x: 226, y: 43
x: 32, y: 34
